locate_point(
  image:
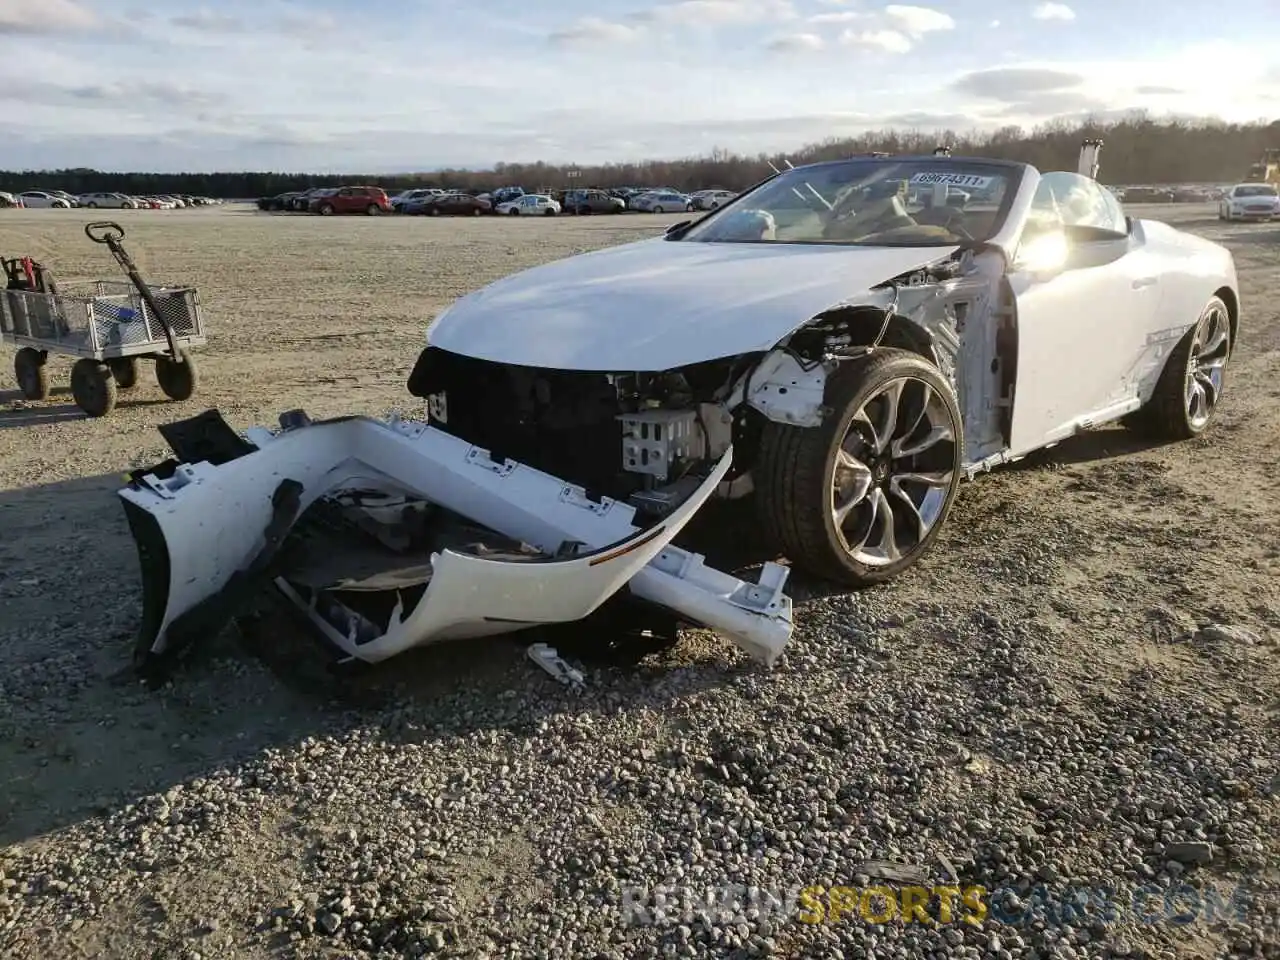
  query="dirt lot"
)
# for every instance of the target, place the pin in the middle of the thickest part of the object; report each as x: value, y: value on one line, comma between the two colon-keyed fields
x: 1031, y: 710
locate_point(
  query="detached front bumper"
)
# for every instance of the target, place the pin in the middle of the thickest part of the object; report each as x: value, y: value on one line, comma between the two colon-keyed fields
x: 210, y: 527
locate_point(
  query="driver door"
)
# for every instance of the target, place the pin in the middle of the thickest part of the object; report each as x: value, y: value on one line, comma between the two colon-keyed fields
x: 1087, y: 292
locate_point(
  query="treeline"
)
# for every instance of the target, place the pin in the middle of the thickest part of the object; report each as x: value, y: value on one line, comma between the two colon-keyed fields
x: 1138, y: 150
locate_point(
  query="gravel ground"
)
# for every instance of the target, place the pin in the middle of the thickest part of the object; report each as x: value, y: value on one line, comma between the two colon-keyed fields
x: 1041, y: 708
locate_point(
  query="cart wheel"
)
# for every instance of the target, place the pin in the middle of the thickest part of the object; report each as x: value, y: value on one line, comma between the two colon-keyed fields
x: 125, y: 371
x: 32, y: 374
x: 93, y: 387
x: 177, y: 380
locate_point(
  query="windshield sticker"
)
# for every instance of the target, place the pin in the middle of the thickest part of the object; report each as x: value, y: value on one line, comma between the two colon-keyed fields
x: 953, y: 180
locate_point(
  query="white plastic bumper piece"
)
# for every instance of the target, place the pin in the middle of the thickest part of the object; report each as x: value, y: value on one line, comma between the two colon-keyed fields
x: 202, y: 531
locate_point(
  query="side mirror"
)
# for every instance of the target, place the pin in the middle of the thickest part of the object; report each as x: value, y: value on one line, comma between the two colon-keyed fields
x: 676, y: 227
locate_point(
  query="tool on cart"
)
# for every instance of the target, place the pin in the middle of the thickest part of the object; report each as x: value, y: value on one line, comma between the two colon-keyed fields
x: 108, y: 325
x: 111, y: 234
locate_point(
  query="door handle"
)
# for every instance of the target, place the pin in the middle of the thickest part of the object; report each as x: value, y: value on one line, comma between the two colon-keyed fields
x: 1144, y: 282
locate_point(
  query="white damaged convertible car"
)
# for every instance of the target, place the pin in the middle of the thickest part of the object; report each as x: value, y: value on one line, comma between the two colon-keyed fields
x: 832, y: 352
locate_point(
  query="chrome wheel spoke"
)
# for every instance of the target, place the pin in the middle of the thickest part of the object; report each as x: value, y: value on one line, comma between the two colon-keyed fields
x: 884, y: 547
x: 887, y: 422
x: 906, y: 447
x: 853, y: 481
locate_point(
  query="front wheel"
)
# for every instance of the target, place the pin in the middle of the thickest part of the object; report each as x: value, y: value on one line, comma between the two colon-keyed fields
x: 862, y: 497
x: 513, y: 213
x: 93, y: 387
x: 326, y: 210
x: 177, y: 380
x: 1191, y: 384
x: 373, y: 210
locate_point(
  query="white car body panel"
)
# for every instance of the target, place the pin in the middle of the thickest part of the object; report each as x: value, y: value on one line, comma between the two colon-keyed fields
x: 654, y: 305
x: 1092, y: 340
x: 467, y: 596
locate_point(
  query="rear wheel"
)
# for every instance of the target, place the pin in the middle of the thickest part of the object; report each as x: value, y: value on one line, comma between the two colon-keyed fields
x: 125, y: 371
x: 32, y: 374
x: 326, y: 210
x: 549, y: 212
x: 513, y: 213
x: 373, y: 210
x: 1191, y: 384
x: 93, y: 387
x: 862, y: 497
x: 177, y: 380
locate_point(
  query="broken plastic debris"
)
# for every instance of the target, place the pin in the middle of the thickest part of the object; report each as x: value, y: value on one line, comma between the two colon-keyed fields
x: 549, y: 660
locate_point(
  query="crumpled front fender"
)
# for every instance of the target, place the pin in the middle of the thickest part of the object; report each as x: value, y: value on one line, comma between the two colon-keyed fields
x: 207, y: 534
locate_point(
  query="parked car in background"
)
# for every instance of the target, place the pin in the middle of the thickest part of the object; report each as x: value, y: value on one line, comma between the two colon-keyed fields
x: 661, y: 202
x: 448, y: 204
x: 530, y: 205
x: 1250, y: 201
x: 368, y: 200
x: 505, y: 194
x: 280, y: 201
x: 37, y: 199
x: 592, y: 201
x: 302, y: 202
x: 108, y: 200
x: 404, y: 197
x: 711, y: 199
x: 72, y: 201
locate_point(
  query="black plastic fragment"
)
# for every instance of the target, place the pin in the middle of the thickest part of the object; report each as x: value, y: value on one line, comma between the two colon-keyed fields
x: 205, y: 437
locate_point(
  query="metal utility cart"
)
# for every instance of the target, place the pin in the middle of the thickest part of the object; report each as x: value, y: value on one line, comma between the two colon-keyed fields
x: 109, y: 324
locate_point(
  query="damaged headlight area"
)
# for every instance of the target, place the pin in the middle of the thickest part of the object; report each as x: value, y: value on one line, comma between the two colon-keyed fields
x: 388, y: 535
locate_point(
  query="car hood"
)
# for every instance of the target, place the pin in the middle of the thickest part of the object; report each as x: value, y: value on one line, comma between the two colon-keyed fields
x: 658, y: 304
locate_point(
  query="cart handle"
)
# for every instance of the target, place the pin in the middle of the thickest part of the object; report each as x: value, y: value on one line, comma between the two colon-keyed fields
x: 107, y: 231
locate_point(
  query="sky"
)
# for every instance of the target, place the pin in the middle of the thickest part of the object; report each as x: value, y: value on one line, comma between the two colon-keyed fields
x: 382, y: 86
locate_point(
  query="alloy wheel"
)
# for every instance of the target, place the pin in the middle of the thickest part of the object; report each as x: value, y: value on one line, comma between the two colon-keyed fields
x: 892, y: 472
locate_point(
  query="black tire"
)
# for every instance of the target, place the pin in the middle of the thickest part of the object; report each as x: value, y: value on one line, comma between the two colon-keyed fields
x: 92, y: 205
x: 32, y: 374
x: 373, y: 210
x: 433, y: 211
x: 125, y: 372
x: 178, y: 380
x: 513, y: 212
x: 326, y: 209
x: 475, y: 211
x: 795, y: 471
x: 549, y: 212
x: 1165, y: 416
x: 93, y: 387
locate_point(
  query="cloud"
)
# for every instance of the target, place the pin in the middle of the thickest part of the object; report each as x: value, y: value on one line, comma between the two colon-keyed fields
x: 695, y: 13
x: 1053, y: 11
x: 994, y: 24
x: 1158, y: 91
x: 890, y: 41
x: 797, y: 43
x: 917, y: 21
x: 843, y: 16
x: 595, y: 30
x: 45, y: 16
x: 1013, y: 84
x: 207, y: 21
x: 1055, y: 103
x: 108, y: 96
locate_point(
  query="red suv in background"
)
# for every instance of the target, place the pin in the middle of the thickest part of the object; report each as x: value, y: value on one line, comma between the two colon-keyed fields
x: 370, y: 200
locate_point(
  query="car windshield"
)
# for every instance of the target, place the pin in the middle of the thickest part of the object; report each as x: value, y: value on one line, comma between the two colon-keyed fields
x: 907, y: 201
x: 1261, y: 190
